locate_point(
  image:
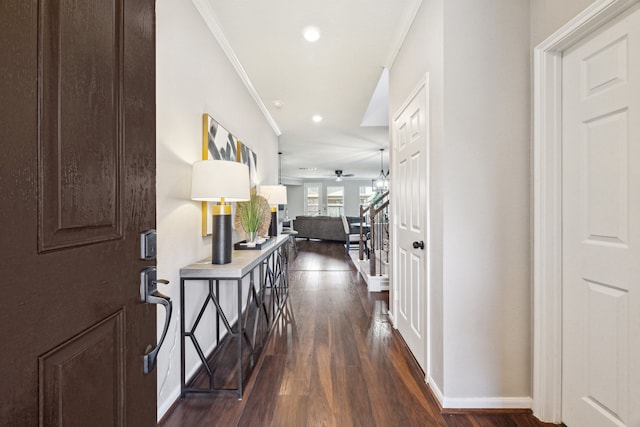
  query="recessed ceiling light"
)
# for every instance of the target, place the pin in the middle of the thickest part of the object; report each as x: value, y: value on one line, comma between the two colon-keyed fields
x: 311, y: 34
x: 278, y: 104
x: 316, y: 118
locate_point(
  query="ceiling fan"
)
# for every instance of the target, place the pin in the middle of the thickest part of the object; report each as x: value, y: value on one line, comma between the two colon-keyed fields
x: 340, y: 175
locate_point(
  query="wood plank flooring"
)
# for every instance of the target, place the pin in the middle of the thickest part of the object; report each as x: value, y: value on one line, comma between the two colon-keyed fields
x: 332, y: 359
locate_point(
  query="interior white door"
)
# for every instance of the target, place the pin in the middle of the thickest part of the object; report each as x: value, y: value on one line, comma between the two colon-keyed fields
x: 409, y: 187
x: 601, y: 228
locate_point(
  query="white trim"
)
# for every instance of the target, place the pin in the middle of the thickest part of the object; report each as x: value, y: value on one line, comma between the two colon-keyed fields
x: 436, y: 390
x: 547, y: 205
x: 487, y: 403
x: 404, y: 27
x: 424, y: 82
x: 392, y: 319
x: 478, y: 402
x: 209, y: 16
x: 167, y: 403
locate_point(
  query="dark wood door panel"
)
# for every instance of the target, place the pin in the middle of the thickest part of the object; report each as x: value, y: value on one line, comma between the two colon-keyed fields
x: 63, y: 372
x: 80, y: 54
x: 77, y: 186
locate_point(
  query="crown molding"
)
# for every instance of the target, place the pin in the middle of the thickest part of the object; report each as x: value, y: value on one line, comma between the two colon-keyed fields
x: 209, y: 16
x: 404, y: 28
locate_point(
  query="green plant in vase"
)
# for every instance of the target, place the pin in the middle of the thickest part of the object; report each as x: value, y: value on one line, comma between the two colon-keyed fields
x: 253, y: 217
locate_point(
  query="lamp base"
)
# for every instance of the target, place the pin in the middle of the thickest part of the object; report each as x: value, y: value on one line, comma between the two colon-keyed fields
x: 273, y: 227
x: 221, y: 239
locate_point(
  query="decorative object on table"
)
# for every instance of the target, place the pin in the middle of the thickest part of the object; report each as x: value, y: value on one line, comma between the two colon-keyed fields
x: 252, y: 218
x: 223, y: 181
x: 275, y: 195
x: 259, y: 244
x: 217, y: 144
x: 381, y: 183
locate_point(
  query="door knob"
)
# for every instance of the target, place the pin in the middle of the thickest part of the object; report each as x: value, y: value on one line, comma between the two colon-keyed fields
x: 419, y: 245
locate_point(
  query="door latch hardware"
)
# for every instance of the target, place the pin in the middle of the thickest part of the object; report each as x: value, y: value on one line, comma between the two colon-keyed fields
x: 148, y: 244
x: 418, y: 245
x: 149, y: 293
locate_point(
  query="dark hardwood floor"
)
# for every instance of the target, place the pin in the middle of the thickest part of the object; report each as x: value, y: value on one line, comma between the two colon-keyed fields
x: 332, y: 359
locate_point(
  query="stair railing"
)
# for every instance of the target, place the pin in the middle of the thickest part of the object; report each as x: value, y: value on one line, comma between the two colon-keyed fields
x: 376, y: 227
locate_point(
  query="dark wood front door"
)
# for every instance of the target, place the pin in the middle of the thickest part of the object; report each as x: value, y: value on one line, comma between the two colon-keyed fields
x: 77, y: 186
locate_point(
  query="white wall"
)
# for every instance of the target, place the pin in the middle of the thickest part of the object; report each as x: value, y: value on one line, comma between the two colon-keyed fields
x: 421, y: 53
x: 295, y: 200
x: 477, y: 57
x: 486, y: 204
x: 549, y: 15
x: 193, y: 77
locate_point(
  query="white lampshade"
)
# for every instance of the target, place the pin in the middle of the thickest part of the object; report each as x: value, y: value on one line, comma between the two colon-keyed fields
x: 275, y: 194
x: 212, y: 180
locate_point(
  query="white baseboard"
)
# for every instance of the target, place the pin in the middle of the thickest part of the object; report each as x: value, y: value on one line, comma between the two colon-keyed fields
x: 166, y: 404
x: 436, y: 390
x: 487, y: 403
x: 478, y: 402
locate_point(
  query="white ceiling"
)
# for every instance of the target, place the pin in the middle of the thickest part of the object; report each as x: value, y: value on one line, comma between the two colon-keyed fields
x: 335, y: 77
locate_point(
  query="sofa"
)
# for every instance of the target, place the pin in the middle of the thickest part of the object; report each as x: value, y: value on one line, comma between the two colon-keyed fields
x: 322, y: 227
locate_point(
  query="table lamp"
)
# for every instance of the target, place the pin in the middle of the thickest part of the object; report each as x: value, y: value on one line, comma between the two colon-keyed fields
x: 220, y: 181
x: 275, y: 195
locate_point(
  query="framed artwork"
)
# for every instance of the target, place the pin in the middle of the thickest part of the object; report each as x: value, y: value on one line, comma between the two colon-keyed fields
x: 217, y: 144
x: 247, y: 156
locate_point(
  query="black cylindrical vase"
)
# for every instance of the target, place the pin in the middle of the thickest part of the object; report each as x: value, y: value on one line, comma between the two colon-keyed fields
x: 221, y: 239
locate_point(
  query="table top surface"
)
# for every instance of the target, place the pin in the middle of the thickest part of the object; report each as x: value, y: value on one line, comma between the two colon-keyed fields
x: 242, y: 262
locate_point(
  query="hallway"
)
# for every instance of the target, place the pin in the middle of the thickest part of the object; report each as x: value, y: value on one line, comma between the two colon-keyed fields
x: 333, y: 359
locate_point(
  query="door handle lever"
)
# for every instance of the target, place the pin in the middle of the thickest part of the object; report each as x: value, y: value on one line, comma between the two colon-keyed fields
x: 418, y: 245
x: 149, y: 294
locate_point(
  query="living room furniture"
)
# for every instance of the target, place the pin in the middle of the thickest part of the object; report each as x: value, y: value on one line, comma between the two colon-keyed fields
x: 321, y: 227
x: 272, y: 266
x: 352, y: 235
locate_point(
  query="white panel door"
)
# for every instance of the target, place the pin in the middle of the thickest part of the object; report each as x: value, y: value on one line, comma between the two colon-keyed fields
x: 601, y: 228
x: 409, y: 186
